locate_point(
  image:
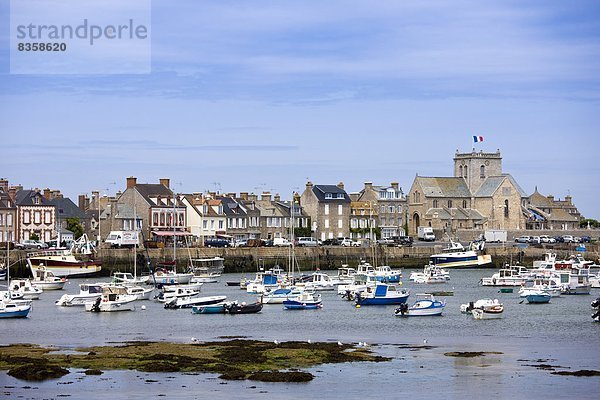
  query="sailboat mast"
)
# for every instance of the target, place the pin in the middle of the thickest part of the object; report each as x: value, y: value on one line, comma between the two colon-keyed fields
x: 173, y: 227
x: 135, y: 244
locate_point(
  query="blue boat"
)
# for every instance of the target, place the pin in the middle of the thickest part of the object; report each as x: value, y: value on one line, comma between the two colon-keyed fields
x: 425, y: 305
x: 382, y: 294
x: 218, y: 308
x: 538, y: 297
x: 306, y: 301
x: 14, y: 308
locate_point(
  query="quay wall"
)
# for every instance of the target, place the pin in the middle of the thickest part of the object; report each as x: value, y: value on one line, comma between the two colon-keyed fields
x: 308, y: 258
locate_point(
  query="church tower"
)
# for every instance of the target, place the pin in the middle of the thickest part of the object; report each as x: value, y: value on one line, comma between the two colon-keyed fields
x: 475, y: 167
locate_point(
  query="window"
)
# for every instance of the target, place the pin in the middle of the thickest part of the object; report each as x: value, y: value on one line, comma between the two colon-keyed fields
x: 465, y: 171
x: 47, y: 217
x: 464, y: 204
x: 326, y: 209
x: 460, y: 171
x: 1, y: 219
x: 435, y: 204
x: 340, y: 209
x: 340, y: 223
x: 328, y: 196
x: 327, y: 224
x: 340, y: 195
x: 221, y: 224
x: 26, y: 217
x: 391, y: 209
x: 449, y: 203
x: 37, y: 217
x: 9, y: 218
x: 162, y: 218
x: 354, y: 223
x: 205, y: 224
x: 482, y: 171
x: 505, y: 208
x: 154, y: 219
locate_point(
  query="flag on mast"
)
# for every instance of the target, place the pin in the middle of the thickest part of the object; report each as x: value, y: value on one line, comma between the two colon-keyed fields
x: 477, y: 139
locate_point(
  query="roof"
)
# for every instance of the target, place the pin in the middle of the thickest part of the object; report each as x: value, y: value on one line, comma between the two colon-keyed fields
x: 65, y: 208
x: 25, y: 198
x: 322, y: 190
x: 443, y: 187
x: 5, y: 201
x: 456, y: 213
x: 125, y: 211
x: 150, y: 190
x: 539, y: 200
x: 559, y: 214
x: 489, y: 186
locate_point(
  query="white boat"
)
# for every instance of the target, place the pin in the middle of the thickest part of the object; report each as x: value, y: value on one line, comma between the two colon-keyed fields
x: 430, y: 274
x: 113, y: 298
x: 385, y: 273
x: 77, y: 261
x: 13, y: 308
x: 456, y: 256
x: 484, y: 309
x: 179, y: 291
x: 266, y: 280
x: 129, y: 279
x: 574, y: 277
x: 547, y: 284
x: 191, y: 301
x: 306, y: 301
x: 87, y: 293
x: 139, y: 292
x: 425, y: 305
x: 361, y: 283
x: 166, y: 274
x: 278, y: 296
x: 381, y: 294
x: 207, y: 270
x: 515, y: 275
x: 345, y: 276
x: 45, y: 279
x: 24, y: 287
x: 317, y: 281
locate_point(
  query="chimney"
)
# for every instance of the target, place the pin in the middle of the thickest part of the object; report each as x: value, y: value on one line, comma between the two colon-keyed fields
x: 164, y: 182
x: 4, y: 185
x: 252, y: 197
x: 81, y: 202
x: 550, y: 197
x: 244, y: 195
x: 12, y: 193
x: 568, y: 199
x: 394, y: 185
x: 341, y: 185
x: 47, y: 193
x: 131, y: 182
x: 266, y: 196
x: 309, y: 185
x: 368, y: 186
x: 277, y: 197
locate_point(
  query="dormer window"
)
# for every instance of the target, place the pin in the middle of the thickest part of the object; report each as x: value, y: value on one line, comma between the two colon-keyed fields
x: 36, y: 200
x: 328, y: 195
x: 340, y: 195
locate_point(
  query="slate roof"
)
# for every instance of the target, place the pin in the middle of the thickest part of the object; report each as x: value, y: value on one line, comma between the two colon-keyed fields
x: 232, y: 207
x: 65, y: 208
x: 150, y: 190
x: 559, y: 214
x: 321, y: 190
x: 456, y: 213
x: 4, y: 201
x: 125, y: 211
x: 489, y: 186
x: 539, y: 200
x: 443, y: 187
x: 25, y: 198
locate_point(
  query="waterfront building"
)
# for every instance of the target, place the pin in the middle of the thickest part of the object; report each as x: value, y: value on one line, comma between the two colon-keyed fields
x: 35, y: 215
x: 544, y: 212
x: 8, y: 214
x: 389, y: 202
x: 65, y: 209
x: 328, y: 207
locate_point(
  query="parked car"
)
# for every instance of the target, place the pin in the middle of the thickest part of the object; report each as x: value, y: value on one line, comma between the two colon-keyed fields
x: 386, y: 242
x: 547, y: 239
x: 31, y: 244
x: 347, y: 242
x: 559, y: 239
x: 568, y: 239
x: 306, y: 242
x: 586, y: 239
x: 331, y: 242
x: 268, y: 243
x: 241, y: 243
x: 281, y: 242
x: 523, y: 239
x: 535, y: 240
x: 255, y: 243
x: 217, y: 243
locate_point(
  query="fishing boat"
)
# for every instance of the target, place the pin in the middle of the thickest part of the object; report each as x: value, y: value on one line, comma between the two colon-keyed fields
x: 381, y: 294
x: 547, y: 284
x: 190, y: 301
x: 456, y: 256
x: 430, y: 275
x: 425, y: 305
x: 243, y: 307
x: 515, y: 275
x: 76, y: 261
x: 45, y: 279
x: 266, y: 280
x: 278, y: 296
x: 88, y: 293
x: 166, y: 274
x: 385, y: 273
x: 538, y: 297
x: 113, y: 298
x: 128, y: 278
x: 306, y: 301
x: 574, y: 277
x: 483, y: 309
x: 360, y: 284
x: 207, y: 270
x: 24, y: 287
x: 317, y: 281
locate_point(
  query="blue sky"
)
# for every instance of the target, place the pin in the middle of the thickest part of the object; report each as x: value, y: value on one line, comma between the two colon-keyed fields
x: 263, y: 95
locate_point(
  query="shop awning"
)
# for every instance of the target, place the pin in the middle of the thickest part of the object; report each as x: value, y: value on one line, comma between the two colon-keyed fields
x: 171, y: 233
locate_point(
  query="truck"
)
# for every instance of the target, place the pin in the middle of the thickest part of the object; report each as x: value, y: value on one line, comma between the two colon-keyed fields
x: 426, y: 233
x: 118, y: 239
x: 495, y: 235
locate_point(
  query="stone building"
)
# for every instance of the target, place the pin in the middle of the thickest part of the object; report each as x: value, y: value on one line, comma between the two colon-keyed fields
x: 328, y: 207
x: 478, y: 196
x: 8, y: 214
x: 544, y: 212
x: 390, y: 203
x: 35, y: 215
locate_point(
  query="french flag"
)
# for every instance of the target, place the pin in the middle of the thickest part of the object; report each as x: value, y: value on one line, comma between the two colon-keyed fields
x: 477, y: 139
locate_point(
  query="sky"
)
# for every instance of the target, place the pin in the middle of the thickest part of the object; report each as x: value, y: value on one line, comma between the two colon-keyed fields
x: 264, y: 95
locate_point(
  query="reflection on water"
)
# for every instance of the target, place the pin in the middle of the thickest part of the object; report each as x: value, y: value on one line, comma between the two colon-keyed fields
x: 562, y: 330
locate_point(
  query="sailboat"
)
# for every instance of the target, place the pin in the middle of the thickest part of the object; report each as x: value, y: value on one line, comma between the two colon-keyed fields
x: 10, y: 308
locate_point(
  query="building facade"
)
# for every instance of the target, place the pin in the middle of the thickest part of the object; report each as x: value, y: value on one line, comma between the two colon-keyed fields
x: 328, y: 207
x: 36, y: 215
x: 8, y: 214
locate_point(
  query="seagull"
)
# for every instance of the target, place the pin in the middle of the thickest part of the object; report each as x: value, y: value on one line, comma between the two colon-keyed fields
x: 193, y: 339
x: 340, y: 343
x: 424, y: 341
x: 309, y: 341
x: 275, y: 341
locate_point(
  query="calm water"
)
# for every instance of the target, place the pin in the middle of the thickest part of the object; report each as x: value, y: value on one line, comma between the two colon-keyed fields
x: 561, y: 332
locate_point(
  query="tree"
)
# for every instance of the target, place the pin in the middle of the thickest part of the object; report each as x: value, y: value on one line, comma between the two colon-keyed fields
x: 74, y: 225
x: 34, y: 236
x: 302, y: 231
x: 583, y: 223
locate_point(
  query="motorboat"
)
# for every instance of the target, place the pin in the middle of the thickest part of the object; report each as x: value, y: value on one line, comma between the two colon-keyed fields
x: 207, y: 270
x: 317, y: 281
x: 266, y: 280
x: 243, y: 307
x: 361, y: 283
x: 345, y: 276
x: 483, y: 309
x: 538, y: 297
x: 140, y: 293
x: 425, y: 305
x: 166, y: 274
x: 574, y: 277
x: 508, y: 276
x: 113, y: 298
x: 190, y: 301
x: 78, y: 260
x: 306, y: 301
x: 24, y: 287
x: 385, y: 273
x: 128, y: 278
x: 45, y: 279
x: 456, y: 256
x: 14, y: 308
x: 547, y: 284
x: 430, y: 274
x: 218, y: 308
x: 87, y: 293
x: 278, y: 296
x: 168, y: 295
x: 202, y: 275
x: 381, y: 294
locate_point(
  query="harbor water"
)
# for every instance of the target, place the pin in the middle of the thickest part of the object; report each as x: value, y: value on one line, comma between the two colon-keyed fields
x: 560, y: 334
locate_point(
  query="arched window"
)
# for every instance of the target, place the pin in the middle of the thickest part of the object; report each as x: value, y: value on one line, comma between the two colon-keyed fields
x: 449, y: 203
x: 460, y: 173
x: 465, y: 172
x: 435, y: 204
x: 482, y: 171
x: 464, y: 204
x: 505, y: 208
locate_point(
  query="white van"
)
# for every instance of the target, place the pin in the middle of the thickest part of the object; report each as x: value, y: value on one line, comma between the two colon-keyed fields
x: 306, y: 241
x: 281, y: 242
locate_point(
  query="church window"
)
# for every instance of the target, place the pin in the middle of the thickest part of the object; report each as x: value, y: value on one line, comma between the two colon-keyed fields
x: 505, y: 208
x: 482, y: 171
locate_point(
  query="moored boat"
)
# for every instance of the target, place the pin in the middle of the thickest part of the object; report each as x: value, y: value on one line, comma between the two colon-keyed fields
x: 278, y: 296
x: 218, y: 308
x: 77, y: 261
x: 306, y: 301
x: 243, y: 307
x: 88, y: 293
x: 28, y: 290
x: 425, y: 305
x: 484, y: 309
x: 45, y: 279
x: 381, y: 294
x: 113, y: 298
x: 190, y: 301
x: 456, y: 256
x: 538, y: 297
x: 14, y: 308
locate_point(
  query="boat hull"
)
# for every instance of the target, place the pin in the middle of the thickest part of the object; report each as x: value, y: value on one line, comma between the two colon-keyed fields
x: 538, y: 298
x: 209, y: 309
x: 112, y: 306
x: 487, y: 313
x: 66, y: 268
x: 68, y: 300
x: 302, y: 305
x: 461, y: 261
x: 16, y: 311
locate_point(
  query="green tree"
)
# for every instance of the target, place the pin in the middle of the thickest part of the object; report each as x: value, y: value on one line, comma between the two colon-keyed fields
x: 34, y: 236
x: 583, y: 223
x: 302, y: 232
x: 74, y: 225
